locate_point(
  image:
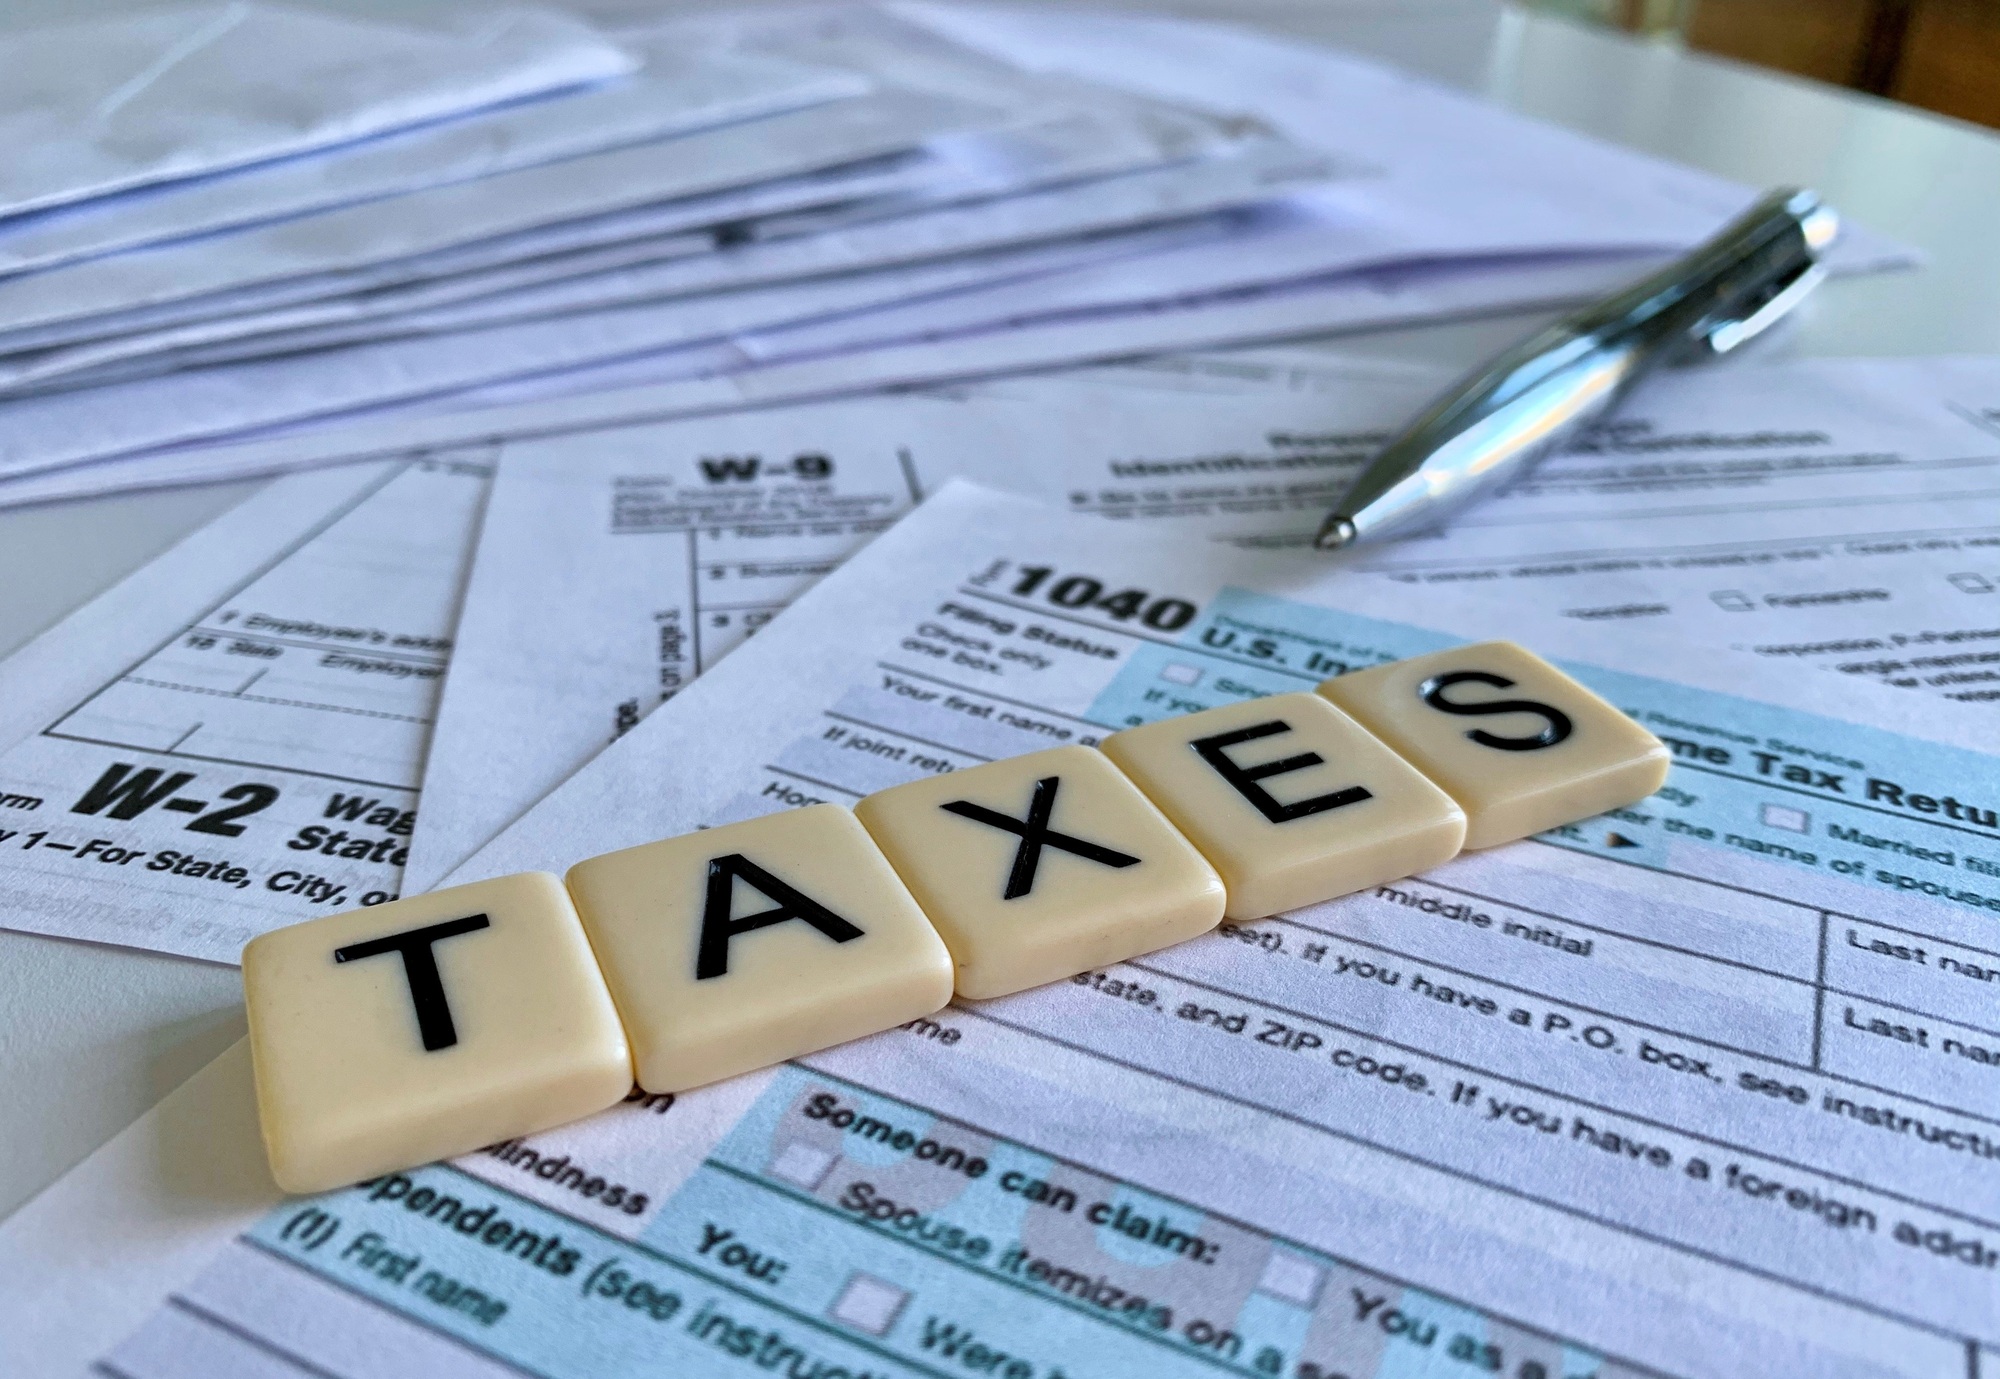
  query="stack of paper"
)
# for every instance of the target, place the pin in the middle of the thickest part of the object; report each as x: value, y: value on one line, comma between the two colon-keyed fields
x: 635, y: 539
x: 746, y: 204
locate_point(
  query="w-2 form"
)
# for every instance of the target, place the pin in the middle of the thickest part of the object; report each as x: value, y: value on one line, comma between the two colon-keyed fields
x: 1703, y: 1087
x: 233, y: 739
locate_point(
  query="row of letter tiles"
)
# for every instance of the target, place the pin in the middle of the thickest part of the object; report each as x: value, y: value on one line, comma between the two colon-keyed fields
x: 387, y: 1037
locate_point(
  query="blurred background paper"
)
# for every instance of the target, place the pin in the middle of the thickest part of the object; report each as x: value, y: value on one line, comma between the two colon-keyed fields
x: 674, y: 92
x: 808, y: 199
x: 102, y: 105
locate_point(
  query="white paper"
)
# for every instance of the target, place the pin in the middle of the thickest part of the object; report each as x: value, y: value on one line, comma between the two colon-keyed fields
x: 381, y: 241
x: 103, y: 104
x: 732, y: 374
x: 980, y: 333
x: 1271, y: 254
x: 859, y: 226
x: 1452, y: 163
x: 1832, y: 513
x: 50, y: 430
x: 676, y: 91
x: 1380, y: 1195
x: 860, y: 218
x: 182, y: 750
x: 1515, y: 171
x: 1027, y: 127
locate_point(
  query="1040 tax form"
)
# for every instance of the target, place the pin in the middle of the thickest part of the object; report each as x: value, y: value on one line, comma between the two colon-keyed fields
x: 1702, y: 1087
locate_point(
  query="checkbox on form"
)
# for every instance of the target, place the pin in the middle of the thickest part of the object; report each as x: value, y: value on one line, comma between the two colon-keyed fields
x: 1291, y: 1279
x: 868, y: 1304
x: 802, y: 1164
x: 1785, y: 817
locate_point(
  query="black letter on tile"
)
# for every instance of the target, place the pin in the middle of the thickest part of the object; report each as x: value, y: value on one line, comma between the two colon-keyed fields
x: 1215, y: 751
x: 1556, y: 725
x: 1035, y: 835
x: 717, y: 928
x: 420, y: 969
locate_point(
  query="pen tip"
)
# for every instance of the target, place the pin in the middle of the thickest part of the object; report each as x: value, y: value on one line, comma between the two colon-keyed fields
x: 1335, y: 532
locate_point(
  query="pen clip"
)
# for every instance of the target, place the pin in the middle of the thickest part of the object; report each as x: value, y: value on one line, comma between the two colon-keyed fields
x: 1771, y: 303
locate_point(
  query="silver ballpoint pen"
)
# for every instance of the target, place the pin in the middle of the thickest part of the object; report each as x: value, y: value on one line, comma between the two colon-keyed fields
x: 1496, y: 422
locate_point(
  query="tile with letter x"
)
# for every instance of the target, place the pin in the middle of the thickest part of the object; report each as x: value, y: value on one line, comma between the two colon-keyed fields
x: 1520, y: 745
x: 738, y: 947
x: 1292, y: 800
x: 1038, y: 867
x: 413, y: 1031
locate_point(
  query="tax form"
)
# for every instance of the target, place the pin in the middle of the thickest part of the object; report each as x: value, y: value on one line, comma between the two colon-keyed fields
x: 1698, y: 1088
x: 1840, y: 513
x: 231, y: 740
x: 1842, y: 509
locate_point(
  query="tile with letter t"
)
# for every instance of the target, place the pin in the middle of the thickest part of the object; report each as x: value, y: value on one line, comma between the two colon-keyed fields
x: 388, y: 1037
x: 1293, y: 801
x: 1514, y: 740
x: 1038, y: 867
x: 738, y: 947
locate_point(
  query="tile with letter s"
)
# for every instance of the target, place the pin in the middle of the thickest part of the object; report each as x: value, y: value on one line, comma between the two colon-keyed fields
x: 1520, y: 745
x: 1292, y: 800
x: 734, y: 948
x: 425, y: 1028
x: 1038, y: 867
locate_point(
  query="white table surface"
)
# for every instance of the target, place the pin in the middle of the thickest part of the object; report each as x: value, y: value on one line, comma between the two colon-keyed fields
x: 90, y: 1036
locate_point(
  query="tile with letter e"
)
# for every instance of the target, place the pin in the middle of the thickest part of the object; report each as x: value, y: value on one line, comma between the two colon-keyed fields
x: 1293, y: 801
x: 1038, y: 867
x: 388, y: 1037
x: 738, y: 947
x: 1514, y: 740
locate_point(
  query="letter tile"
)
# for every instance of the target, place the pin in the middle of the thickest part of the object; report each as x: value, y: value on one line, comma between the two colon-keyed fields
x: 1292, y: 800
x: 388, y: 1037
x: 1038, y: 867
x: 739, y: 947
x: 1514, y: 740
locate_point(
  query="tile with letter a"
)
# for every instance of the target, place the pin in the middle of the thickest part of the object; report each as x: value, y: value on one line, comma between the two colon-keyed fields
x: 738, y: 947
x: 1293, y: 801
x: 1038, y: 867
x: 1514, y: 740
x: 388, y: 1037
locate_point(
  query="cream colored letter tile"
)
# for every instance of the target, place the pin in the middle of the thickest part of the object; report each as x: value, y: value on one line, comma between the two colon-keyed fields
x: 1514, y: 740
x: 388, y: 1037
x: 1291, y: 800
x: 1039, y: 867
x: 739, y: 947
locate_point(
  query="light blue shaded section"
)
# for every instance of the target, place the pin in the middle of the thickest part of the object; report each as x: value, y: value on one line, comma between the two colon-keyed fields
x: 743, y: 1271
x: 1750, y: 780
